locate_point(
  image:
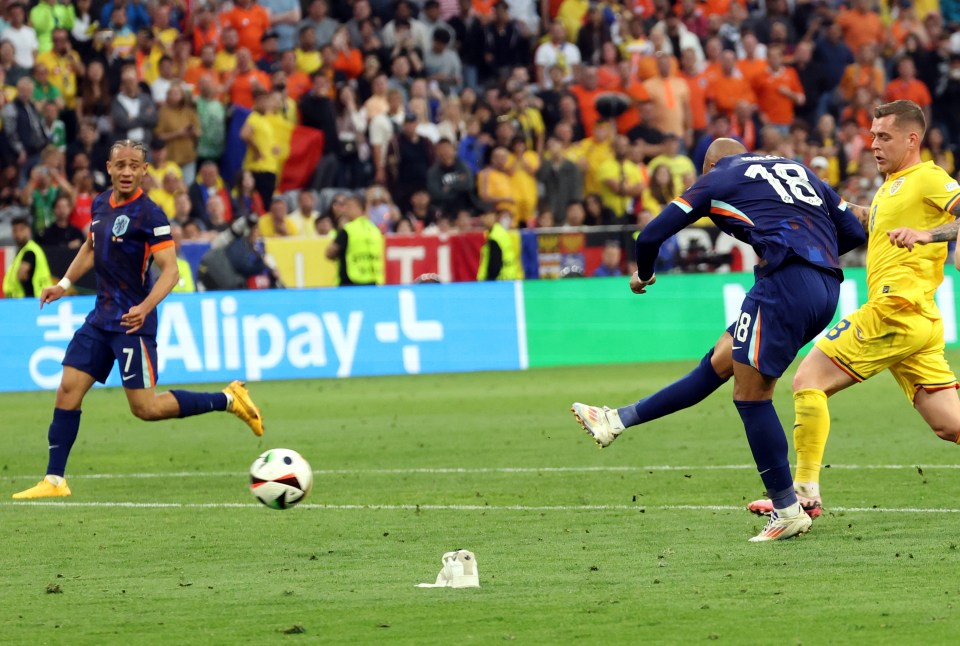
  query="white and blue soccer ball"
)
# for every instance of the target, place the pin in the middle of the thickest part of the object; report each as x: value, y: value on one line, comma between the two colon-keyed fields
x: 280, y: 478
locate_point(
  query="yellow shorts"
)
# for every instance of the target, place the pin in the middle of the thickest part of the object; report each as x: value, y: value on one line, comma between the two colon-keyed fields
x: 891, y: 335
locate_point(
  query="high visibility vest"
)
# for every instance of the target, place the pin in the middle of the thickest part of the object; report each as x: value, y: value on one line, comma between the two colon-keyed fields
x: 364, y: 253
x: 41, y: 273
x: 185, y: 284
x: 511, y: 268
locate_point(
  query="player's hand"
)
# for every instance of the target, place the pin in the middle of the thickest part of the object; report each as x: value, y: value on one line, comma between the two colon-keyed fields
x: 134, y: 318
x: 50, y: 294
x: 638, y: 286
x: 905, y: 237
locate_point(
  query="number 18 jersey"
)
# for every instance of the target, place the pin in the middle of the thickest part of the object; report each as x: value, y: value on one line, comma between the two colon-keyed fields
x: 777, y: 206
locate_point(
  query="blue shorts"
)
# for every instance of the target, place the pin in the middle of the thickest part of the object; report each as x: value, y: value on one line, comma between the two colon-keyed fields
x: 782, y: 313
x: 93, y: 351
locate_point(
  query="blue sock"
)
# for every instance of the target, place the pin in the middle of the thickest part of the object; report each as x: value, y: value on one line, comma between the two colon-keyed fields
x: 61, y: 436
x: 192, y: 403
x: 687, y: 391
x: 768, y: 443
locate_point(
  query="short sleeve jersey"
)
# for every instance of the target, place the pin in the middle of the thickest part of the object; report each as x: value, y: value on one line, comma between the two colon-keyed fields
x: 919, y: 197
x: 775, y: 205
x: 124, y: 238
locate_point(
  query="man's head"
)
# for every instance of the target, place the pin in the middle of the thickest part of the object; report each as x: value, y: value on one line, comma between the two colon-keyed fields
x: 719, y: 149
x: 898, y: 130
x: 278, y: 208
x: 62, y: 208
x: 576, y: 214
x: 25, y: 88
x: 306, y: 202
x: 20, y: 229
x: 612, y: 255
x: 352, y: 207
x: 126, y: 166
x: 446, y: 152
x: 61, y: 41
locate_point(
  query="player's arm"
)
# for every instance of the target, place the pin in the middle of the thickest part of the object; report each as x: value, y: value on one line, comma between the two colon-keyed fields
x: 907, y: 237
x: 862, y: 213
x: 850, y: 232
x: 166, y: 260
x: 82, y: 263
x: 671, y: 220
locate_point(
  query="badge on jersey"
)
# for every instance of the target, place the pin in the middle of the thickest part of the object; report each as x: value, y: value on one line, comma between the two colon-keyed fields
x: 897, y: 183
x: 120, y: 225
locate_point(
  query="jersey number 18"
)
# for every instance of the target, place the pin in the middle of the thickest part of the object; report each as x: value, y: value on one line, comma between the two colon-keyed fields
x: 795, y: 178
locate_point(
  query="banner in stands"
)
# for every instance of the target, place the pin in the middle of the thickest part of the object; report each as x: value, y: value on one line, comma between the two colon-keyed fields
x: 288, y: 334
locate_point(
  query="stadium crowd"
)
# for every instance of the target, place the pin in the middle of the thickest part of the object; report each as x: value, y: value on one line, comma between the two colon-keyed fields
x: 435, y: 111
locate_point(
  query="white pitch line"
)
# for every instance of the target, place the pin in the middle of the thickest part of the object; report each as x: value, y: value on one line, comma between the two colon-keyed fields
x: 564, y: 508
x: 483, y: 470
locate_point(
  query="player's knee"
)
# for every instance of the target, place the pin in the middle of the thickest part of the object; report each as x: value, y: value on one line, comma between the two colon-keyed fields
x: 948, y: 432
x: 145, y: 412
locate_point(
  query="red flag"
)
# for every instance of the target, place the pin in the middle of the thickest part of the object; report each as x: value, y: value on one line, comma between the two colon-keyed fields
x: 306, y: 149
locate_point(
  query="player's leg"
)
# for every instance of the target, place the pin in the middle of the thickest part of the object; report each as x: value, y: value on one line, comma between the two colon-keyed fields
x: 753, y: 397
x: 138, y: 360
x: 606, y: 424
x: 88, y: 359
x: 926, y: 377
x: 780, y: 314
x: 859, y: 346
x: 817, y: 379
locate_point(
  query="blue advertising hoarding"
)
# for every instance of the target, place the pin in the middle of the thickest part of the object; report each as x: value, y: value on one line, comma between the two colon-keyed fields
x: 289, y: 334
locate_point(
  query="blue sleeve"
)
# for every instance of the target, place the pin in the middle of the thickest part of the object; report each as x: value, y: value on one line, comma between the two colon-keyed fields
x: 850, y: 233
x: 671, y: 220
x: 157, y: 225
x: 686, y: 209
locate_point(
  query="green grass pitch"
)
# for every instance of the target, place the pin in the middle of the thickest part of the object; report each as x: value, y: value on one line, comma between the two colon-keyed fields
x: 643, y: 542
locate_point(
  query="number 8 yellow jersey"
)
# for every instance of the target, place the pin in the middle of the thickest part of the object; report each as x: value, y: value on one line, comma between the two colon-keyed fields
x: 919, y: 197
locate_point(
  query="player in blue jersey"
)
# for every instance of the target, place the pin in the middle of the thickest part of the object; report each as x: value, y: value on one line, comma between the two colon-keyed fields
x: 128, y: 232
x: 799, y: 227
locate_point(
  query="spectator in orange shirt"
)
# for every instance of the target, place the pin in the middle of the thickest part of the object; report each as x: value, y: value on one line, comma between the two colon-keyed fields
x: 711, y: 66
x: 608, y: 72
x: 865, y: 72
x: 204, y: 27
x: 908, y: 87
x: 240, y: 84
x: 671, y: 97
x: 778, y: 90
x: 861, y: 25
x: 203, y: 67
x: 754, y: 61
x: 631, y: 86
x: 697, y: 83
x: 348, y: 60
x: 251, y: 22
x: 726, y: 90
x: 298, y: 81
x: 586, y: 93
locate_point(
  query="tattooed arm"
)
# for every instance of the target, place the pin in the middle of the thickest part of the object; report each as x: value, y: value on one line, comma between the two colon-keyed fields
x: 862, y: 213
x: 906, y: 237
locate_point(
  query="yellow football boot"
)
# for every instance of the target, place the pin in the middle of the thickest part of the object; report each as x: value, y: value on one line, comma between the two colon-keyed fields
x: 241, y: 405
x: 44, y: 489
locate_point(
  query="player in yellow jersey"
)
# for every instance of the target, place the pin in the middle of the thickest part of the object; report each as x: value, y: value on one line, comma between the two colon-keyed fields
x: 899, y: 327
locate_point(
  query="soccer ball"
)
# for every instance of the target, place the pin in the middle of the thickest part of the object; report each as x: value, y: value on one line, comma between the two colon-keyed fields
x: 280, y: 478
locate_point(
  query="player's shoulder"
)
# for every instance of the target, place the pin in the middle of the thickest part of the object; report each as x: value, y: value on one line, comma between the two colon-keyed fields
x: 101, y: 200
x: 930, y: 172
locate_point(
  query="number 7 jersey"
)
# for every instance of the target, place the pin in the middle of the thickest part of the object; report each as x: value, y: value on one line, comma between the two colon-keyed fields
x: 777, y: 206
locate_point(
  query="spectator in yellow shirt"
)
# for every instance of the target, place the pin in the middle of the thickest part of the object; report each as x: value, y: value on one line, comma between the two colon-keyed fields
x: 523, y: 166
x: 278, y: 223
x: 621, y: 181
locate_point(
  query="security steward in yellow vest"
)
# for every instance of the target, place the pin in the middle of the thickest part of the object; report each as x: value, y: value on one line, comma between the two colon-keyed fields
x: 185, y: 284
x: 358, y: 247
x: 30, y: 272
x: 498, y: 257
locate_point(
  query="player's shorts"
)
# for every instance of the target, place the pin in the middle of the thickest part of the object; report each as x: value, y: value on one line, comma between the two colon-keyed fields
x: 93, y: 351
x: 891, y: 334
x: 780, y: 314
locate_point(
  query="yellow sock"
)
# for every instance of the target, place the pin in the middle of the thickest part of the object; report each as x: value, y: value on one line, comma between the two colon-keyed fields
x: 810, y: 431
